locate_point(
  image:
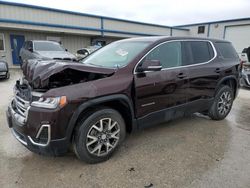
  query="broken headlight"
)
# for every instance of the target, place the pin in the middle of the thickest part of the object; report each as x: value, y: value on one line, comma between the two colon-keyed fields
x: 50, y: 102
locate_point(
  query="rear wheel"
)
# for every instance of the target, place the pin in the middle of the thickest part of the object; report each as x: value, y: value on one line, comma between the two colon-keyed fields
x: 99, y: 135
x: 222, y: 103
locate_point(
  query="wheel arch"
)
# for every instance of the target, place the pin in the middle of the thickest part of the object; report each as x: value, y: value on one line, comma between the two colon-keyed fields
x: 119, y: 102
x: 231, y: 81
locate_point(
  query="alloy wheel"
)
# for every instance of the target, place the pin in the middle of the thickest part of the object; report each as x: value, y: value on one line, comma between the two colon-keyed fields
x: 103, y: 137
x: 224, y: 103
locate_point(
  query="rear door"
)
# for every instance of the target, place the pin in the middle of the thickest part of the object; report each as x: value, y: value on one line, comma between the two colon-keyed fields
x: 160, y: 90
x: 203, y: 69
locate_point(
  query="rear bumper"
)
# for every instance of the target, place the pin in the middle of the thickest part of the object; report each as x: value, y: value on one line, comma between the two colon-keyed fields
x: 37, y: 144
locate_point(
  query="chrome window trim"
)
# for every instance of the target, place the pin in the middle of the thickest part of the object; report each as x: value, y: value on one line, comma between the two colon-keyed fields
x: 184, y: 66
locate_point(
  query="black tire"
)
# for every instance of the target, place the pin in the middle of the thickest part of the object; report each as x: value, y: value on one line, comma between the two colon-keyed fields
x: 8, y: 76
x: 221, y: 108
x: 85, y: 129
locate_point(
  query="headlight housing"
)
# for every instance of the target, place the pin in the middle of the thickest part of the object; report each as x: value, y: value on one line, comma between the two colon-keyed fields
x: 50, y: 102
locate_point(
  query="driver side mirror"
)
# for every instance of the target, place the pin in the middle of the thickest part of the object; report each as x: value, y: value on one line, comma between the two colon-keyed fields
x: 150, y: 65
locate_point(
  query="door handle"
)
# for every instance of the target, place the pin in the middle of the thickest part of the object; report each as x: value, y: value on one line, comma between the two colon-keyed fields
x: 181, y: 75
x: 217, y: 70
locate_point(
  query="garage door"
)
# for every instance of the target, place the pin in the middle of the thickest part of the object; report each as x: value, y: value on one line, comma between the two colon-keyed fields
x: 239, y: 36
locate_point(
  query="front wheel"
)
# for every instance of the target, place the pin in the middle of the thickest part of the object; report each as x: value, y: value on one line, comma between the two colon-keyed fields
x: 99, y: 135
x: 222, y: 104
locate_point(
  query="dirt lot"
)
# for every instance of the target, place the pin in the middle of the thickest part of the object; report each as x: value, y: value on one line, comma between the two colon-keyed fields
x: 189, y: 152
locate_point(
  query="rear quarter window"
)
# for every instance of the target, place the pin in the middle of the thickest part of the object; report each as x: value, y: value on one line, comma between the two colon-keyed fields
x: 226, y: 50
x: 195, y: 52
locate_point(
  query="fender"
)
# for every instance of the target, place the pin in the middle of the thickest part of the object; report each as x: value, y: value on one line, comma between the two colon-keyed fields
x: 228, y: 78
x: 96, y: 101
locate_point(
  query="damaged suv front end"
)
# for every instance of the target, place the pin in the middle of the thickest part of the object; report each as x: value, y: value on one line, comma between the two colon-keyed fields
x: 32, y: 119
x: 39, y: 115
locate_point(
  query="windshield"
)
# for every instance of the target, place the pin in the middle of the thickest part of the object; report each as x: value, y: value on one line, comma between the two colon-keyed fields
x: 2, y: 66
x: 47, y: 46
x: 117, y: 54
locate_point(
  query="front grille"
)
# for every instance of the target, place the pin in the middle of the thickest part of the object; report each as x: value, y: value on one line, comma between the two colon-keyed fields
x: 21, y: 105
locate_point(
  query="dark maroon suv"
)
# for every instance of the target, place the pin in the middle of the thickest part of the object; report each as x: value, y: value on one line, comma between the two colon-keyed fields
x: 125, y: 86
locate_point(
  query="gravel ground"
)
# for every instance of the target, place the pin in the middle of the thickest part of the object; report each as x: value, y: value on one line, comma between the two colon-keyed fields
x: 189, y: 152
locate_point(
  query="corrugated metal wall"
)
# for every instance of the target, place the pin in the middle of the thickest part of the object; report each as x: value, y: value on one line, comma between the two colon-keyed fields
x: 219, y: 31
x: 48, y: 17
x: 136, y: 28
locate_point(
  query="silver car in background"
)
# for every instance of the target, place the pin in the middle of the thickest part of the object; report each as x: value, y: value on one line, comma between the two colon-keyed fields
x: 44, y: 50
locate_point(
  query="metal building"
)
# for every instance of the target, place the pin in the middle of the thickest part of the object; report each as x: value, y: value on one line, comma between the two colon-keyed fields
x: 237, y: 31
x: 20, y: 22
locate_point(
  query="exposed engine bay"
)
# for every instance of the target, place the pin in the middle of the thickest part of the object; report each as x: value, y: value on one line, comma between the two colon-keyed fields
x: 45, y: 75
x: 70, y: 76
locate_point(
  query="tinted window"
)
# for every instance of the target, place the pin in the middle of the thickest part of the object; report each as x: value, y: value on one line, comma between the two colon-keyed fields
x: 83, y: 52
x: 29, y: 45
x: 196, y: 52
x: 169, y: 54
x: 47, y: 46
x: 226, y: 50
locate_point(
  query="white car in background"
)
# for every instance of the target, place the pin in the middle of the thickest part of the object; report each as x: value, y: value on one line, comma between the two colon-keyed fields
x: 245, y: 58
x: 84, y: 52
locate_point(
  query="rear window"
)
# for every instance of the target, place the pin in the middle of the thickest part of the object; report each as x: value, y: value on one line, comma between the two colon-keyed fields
x: 226, y: 50
x: 195, y: 52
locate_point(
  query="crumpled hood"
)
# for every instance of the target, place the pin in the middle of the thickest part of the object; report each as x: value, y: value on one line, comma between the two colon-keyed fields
x: 56, y: 55
x: 38, y: 72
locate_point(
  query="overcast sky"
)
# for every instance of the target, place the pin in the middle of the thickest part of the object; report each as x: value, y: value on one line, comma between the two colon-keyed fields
x: 166, y: 12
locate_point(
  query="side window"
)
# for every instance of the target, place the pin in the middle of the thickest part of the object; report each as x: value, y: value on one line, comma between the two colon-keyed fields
x: 226, y: 50
x: 169, y: 54
x: 195, y: 52
x: 29, y: 45
x: 82, y: 52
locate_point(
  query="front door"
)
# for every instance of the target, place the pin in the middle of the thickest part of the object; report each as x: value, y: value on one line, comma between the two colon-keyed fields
x: 16, y: 42
x: 161, y: 90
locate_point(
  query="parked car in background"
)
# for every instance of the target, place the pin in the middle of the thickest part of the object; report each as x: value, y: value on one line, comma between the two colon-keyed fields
x: 84, y: 52
x: 245, y: 56
x: 124, y: 86
x: 245, y: 76
x: 4, y: 69
x: 245, y: 59
x: 44, y: 50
